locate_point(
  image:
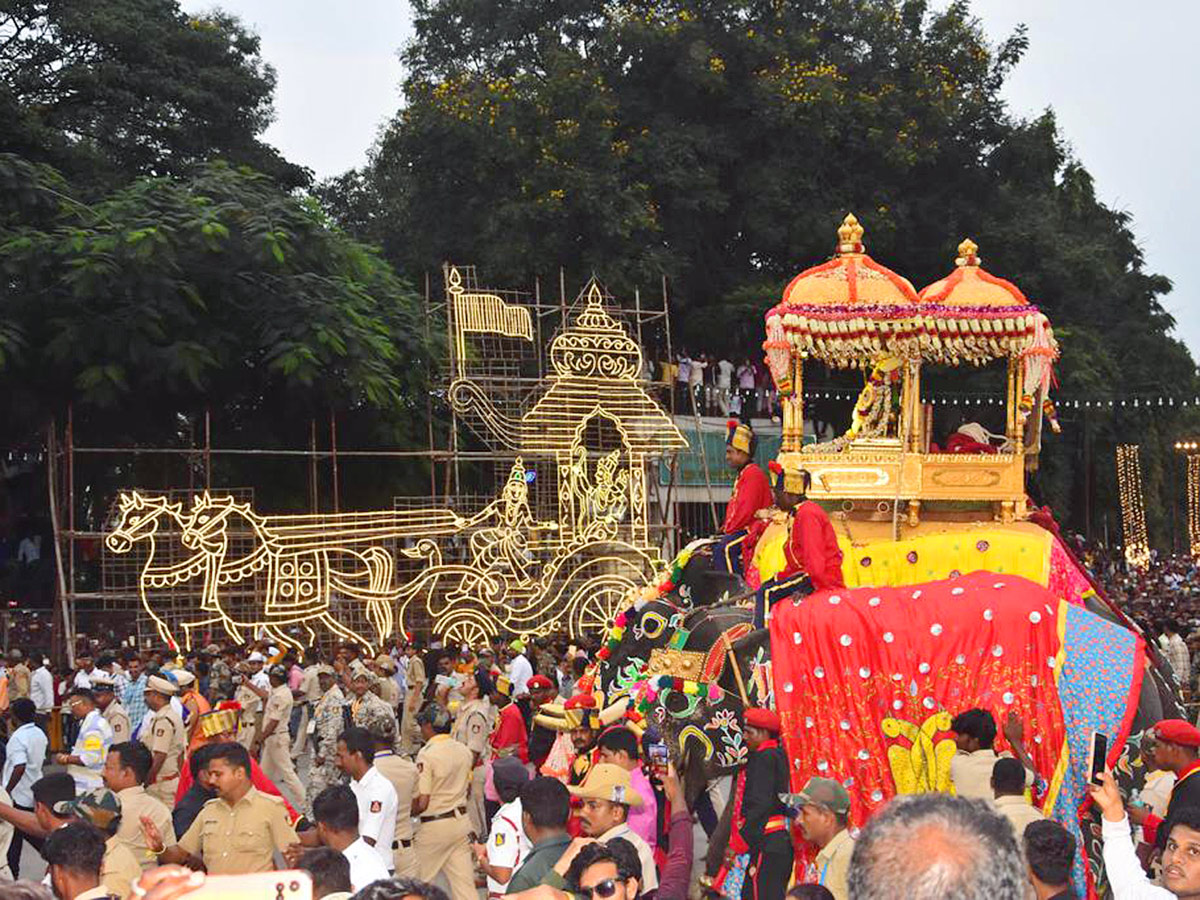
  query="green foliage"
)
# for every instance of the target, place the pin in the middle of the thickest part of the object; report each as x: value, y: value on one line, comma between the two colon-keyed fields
x: 721, y: 143
x: 218, y: 290
x: 105, y: 90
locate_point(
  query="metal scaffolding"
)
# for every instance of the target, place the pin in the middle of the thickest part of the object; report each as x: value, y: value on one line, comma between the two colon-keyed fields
x: 97, y: 591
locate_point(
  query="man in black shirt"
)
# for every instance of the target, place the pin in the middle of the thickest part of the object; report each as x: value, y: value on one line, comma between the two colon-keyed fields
x: 760, y: 824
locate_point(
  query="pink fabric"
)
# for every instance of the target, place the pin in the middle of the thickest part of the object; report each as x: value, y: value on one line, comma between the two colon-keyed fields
x: 295, y: 676
x: 643, y: 820
x: 1066, y: 582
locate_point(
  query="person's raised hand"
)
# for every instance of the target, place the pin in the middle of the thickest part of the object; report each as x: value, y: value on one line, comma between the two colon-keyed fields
x: 672, y: 789
x: 293, y: 853
x: 1106, y: 796
x: 152, y: 835
x: 573, y: 848
x: 1014, y: 728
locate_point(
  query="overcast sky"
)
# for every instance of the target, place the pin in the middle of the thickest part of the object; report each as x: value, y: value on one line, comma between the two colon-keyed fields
x: 1119, y: 76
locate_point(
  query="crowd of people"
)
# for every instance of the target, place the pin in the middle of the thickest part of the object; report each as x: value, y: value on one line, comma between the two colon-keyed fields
x: 428, y: 773
x: 710, y: 384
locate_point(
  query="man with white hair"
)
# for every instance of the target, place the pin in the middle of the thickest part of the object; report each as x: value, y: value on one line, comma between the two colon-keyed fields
x: 933, y: 846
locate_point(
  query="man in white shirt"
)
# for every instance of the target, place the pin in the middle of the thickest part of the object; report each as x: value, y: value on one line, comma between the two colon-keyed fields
x: 335, y: 810
x: 1180, y: 860
x: 520, y: 670
x: 41, y: 692
x: 83, y: 677
x: 507, y: 844
x: 85, y: 762
x: 25, y: 755
x: 375, y: 795
x: 1176, y: 650
x: 724, y: 384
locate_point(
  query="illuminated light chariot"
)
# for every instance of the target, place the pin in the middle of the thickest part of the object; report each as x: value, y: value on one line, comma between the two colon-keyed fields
x: 219, y: 567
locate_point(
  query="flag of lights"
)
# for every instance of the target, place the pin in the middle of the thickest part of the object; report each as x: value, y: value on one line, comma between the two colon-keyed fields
x: 1133, y: 510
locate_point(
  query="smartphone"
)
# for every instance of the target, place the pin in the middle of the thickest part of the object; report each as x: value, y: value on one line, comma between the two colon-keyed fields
x: 657, y: 754
x: 289, y: 884
x: 1099, y: 755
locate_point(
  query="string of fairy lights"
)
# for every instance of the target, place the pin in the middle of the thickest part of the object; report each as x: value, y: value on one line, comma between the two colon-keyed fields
x: 1193, y: 499
x: 1133, y: 509
x: 979, y: 398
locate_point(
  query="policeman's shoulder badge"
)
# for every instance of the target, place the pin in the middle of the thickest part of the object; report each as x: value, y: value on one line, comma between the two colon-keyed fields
x: 376, y: 806
x: 499, y: 838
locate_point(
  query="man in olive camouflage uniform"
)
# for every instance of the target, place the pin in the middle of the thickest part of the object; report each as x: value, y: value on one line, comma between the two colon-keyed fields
x: 328, y: 722
x: 220, y: 673
x: 367, y: 705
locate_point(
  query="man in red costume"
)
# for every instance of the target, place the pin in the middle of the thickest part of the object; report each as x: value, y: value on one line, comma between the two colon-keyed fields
x: 760, y: 824
x: 751, y: 492
x: 814, y: 560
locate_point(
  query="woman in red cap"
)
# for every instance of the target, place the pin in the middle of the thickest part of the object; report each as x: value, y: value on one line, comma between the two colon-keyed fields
x: 760, y: 825
x: 1176, y: 746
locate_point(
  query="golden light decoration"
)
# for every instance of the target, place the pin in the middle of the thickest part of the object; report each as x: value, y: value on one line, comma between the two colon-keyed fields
x: 1133, y: 509
x: 294, y: 566
x: 1193, y: 501
x: 231, y: 568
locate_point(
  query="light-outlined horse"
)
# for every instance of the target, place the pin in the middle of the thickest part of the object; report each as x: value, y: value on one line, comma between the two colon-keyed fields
x: 141, y: 519
x: 305, y: 561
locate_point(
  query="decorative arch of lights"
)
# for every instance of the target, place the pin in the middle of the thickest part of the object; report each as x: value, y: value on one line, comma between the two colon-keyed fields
x: 220, y: 567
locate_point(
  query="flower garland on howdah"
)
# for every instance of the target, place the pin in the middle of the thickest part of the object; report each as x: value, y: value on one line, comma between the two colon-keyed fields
x: 669, y: 582
x: 643, y: 694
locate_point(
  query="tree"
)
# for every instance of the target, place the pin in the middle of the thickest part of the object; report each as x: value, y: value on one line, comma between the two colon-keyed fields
x: 720, y: 143
x: 172, y: 295
x: 110, y: 89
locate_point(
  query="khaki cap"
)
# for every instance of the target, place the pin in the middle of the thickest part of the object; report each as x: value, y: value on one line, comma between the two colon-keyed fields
x: 161, y: 685
x: 608, y: 782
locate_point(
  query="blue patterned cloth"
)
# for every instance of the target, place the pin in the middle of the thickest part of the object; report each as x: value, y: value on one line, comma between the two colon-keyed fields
x: 1094, y: 690
x: 735, y: 877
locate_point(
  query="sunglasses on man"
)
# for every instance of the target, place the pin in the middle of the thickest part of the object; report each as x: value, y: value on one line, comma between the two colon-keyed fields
x: 605, y: 888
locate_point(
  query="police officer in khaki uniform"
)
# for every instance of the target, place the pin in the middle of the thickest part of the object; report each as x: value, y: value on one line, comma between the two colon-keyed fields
x: 18, y: 676
x: 272, y: 743
x: 473, y: 727
x: 307, y: 696
x: 125, y: 770
x: 402, y: 773
x: 236, y: 832
x: 166, y: 740
x: 443, y: 778
x: 414, y: 687
x: 389, y: 691
x: 110, y: 707
x: 249, y: 698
